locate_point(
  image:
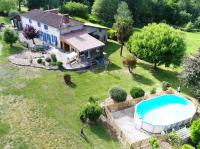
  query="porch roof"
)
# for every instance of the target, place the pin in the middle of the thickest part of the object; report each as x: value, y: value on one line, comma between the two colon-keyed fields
x: 82, y: 41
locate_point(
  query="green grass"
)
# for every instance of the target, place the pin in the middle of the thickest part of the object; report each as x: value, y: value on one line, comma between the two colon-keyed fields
x: 192, y: 42
x: 36, y: 101
x: 5, y: 20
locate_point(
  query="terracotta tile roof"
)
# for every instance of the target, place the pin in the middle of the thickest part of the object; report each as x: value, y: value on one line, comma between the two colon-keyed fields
x: 82, y: 41
x: 49, y: 18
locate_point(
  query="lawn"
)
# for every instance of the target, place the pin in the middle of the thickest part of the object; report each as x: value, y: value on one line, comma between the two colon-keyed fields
x: 5, y: 20
x: 39, y: 111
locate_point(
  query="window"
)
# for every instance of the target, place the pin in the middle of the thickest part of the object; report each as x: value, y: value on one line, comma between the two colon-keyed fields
x: 38, y: 23
x: 45, y: 27
x: 30, y: 21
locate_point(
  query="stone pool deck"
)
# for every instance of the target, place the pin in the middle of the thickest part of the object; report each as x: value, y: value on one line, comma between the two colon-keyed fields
x: 124, y: 119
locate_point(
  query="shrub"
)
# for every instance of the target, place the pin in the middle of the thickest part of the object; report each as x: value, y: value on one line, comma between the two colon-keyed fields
x: 153, y: 91
x: 153, y: 141
x: 10, y: 36
x: 169, y: 91
x: 13, y: 13
x: 59, y: 64
x: 189, y: 26
x: 165, y: 85
x: 75, y: 9
x: 48, y: 59
x: 187, y: 146
x: 53, y: 63
x: 197, y: 23
x: 67, y: 78
x: 112, y: 34
x: 137, y: 92
x: 39, y: 61
x: 53, y: 57
x: 195, y: 131
x: 91, y: 111
x: 130, y: 61
x: 118, y: 94
x: 173, y: 138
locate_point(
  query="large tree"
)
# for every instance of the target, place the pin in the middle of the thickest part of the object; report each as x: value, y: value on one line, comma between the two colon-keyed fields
x: 104, y: 10
x: 30, y: 33
x: 7, y: 5
x: 191, y: 73
x: 10, y: 36
x: 158, y: 44
x: 123, y: 24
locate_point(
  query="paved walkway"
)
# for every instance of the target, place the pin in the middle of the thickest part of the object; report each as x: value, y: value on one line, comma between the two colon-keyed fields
x: 125, y: 121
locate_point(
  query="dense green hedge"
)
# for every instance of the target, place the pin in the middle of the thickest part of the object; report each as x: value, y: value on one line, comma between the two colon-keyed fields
x: 118, y: 94
x: 137, y: 92
x: 75, y: 9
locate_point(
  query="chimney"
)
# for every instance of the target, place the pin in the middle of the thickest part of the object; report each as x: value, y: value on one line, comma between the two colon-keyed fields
x: 66, y: 18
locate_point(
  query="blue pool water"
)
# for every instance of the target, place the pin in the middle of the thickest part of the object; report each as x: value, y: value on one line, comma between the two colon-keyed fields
x: 166, y: 109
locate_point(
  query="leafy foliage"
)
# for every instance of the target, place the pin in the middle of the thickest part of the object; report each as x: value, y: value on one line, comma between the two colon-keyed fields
x: 153, y: 90
x: 187, y: 146
x: 59, y: 64
x: 191, y: 73
x: 75, y: 9
x: 137, y: 92
x: 173, y: 138
x: 104, y: 10
x: 153, y: 141
x: 195, y: 131
x: 7, y: 5
x: 30, y: 33
x: 53, y: 57
x: 130, y: 61
x: 118, y: 94
x: 112, y: 34
x: 165, y: 85
x: 91, y: 111
x: 158, y: 44
x: 13, y: 13
x: 123, y: 24
x: 10, y: 36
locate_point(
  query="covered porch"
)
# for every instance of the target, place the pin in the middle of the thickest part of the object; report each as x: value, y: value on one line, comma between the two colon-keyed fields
x: 85, y: 46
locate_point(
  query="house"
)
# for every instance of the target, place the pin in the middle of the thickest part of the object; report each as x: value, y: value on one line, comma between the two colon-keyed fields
x: 65, y: 33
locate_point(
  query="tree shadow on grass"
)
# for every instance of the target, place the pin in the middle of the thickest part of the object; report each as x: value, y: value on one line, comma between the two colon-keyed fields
x: 111, y: 47
x: 100, y: 131
x: 142, y: 79
x: 72, y: 85
x: 14, y: 49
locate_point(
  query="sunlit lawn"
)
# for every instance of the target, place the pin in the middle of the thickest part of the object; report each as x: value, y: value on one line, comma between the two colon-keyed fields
x: 49, y: 102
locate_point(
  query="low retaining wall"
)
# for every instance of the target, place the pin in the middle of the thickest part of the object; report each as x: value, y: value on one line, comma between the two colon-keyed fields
x: 110, y: 106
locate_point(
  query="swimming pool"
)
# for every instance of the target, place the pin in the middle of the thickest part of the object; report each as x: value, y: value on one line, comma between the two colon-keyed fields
x: 163, y: 113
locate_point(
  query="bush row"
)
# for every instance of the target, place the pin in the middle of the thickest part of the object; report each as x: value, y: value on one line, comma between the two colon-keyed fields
x: 118, y: 94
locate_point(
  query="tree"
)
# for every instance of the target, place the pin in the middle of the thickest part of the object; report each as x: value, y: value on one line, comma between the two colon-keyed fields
x: 13, y: 13
x: 123, y: 24
x: 10, y: 36
x: 75, y: 9
x: 104, y: 10
x: 130, y: 61
x: 173, y: 138
x: 158, y: 44
x: 7, y: 5
x: 195, y: 131
x: 30, y: 33
x: 92, y: 111
x: 191, y: 74
x: 19, y: 4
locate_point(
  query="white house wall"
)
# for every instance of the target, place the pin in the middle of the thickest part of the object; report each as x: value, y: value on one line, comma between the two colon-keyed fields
x: 50, y: 31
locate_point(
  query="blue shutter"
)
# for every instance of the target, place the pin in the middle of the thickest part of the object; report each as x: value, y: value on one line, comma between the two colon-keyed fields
x: 52, y: 38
